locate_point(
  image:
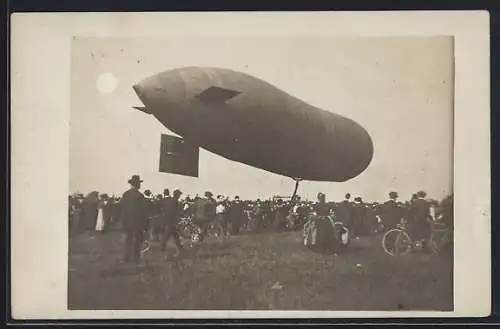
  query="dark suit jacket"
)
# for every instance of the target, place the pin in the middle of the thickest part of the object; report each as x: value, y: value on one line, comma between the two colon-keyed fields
x: 322, y: 209
x: 205, y: 209
x: 391, y: 213
x: 419, y: 210
x: 107, y: 210
x: 171, y: 209
x: 134, y: 211
x: 344, y: 212
x: 359, y: 213
x: 236, y: 210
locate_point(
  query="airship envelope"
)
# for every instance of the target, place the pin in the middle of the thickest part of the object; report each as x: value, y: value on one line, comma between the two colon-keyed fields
x: 245, y: 119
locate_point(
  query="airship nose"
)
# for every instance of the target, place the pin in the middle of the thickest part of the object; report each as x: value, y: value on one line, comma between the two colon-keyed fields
x: 145, y: 90
x: 137, y: 88
x: 160, y: 91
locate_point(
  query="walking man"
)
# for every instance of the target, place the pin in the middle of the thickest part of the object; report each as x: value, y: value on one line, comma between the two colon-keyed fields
x: 420, y: 219
x: 236, y: 213
x: 134, y: 215
x: 391, y: 212
x: 344, y: 211
x: 205, y: 212
x: 171, y: 211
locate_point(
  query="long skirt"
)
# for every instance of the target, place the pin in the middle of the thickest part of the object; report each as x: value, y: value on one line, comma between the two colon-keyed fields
x: 99, y: 227
x: 320, y: 234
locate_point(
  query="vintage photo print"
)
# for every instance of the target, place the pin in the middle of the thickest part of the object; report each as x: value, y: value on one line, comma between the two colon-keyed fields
x: 249, y: 174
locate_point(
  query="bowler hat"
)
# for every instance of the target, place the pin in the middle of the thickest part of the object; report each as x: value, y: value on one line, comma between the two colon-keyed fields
x: 393, y: 195
x: 135, y: 179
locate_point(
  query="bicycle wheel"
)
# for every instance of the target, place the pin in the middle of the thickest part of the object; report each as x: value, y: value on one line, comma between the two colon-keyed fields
x: 396, y: 242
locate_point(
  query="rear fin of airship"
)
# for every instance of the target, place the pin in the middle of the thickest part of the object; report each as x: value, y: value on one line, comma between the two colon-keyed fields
x: 215, y: 94
x: 178, y: 156
x: 142, y: 109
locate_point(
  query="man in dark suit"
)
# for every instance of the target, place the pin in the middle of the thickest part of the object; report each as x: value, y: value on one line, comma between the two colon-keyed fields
x: 236, y: 212
x: 358, y: 217
x: 170, y: 212
x: 205, y: 212
x: 391, y: 212
x: 134, y: 216
x: 420, y: 220
x: 343, y: 212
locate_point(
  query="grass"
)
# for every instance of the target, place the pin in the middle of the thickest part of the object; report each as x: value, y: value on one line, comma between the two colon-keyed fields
x: 239, y: 272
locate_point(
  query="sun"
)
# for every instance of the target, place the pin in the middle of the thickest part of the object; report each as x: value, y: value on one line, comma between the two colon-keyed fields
x: 106, y: 83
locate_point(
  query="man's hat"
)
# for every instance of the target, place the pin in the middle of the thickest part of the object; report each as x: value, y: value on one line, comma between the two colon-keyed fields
x: 393, y: 195
x: 208, y: 194
x: 135, y: 179
x: 358, y: 199
x: 166, y: 191
x: 104, y: 196
x: 177, y: 192
x: 147, y: 192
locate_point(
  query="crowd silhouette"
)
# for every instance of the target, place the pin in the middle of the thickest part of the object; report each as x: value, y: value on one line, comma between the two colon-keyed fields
x: 101, y: 212
x: 327, y: 225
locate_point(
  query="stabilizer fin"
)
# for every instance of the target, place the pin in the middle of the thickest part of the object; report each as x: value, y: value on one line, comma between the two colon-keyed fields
x: 214, y: 95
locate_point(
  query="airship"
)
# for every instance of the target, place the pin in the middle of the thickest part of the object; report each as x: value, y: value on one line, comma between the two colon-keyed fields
x: 248, y: 120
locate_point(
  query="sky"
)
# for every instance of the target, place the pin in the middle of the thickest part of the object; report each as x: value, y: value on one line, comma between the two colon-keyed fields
x: 400, y: 89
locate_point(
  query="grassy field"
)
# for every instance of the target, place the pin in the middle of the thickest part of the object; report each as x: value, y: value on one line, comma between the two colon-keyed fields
x: 240, y: 272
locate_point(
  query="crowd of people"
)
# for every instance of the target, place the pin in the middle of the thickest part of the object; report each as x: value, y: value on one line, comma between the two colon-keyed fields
x: 137, y: 214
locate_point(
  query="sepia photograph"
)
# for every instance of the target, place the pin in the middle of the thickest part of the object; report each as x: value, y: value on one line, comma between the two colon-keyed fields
x: 250, y: 165
x: 246, y: 174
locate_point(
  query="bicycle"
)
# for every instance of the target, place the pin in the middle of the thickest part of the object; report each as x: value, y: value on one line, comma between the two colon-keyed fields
x: 398, y: 242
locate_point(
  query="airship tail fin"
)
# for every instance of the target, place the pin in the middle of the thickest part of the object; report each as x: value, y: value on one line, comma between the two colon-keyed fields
x: 178, y: 156
x: 216, y: 94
